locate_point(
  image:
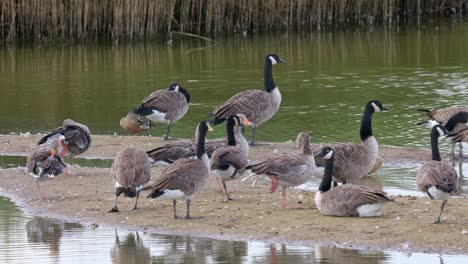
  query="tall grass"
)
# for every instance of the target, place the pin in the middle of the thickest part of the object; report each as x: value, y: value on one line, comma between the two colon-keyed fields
x: 83, y: 20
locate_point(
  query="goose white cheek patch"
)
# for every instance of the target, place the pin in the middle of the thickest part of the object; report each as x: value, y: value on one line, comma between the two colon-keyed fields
x: 273, y: 61
x: 376, y: 108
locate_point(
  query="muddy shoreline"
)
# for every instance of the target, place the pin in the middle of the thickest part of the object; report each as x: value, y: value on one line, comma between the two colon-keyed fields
x: 87, y: 194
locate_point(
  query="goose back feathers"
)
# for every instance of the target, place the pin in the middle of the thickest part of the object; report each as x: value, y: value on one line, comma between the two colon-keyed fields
x: 77, y: 137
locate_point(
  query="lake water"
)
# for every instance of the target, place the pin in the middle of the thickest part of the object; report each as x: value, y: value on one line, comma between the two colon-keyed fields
x: 28, y: 239
x: 326, y: 82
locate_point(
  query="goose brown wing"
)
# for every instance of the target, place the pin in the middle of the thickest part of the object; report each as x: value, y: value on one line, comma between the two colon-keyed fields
x: 173, y: 151
x: 184, y: 175
x: 247, y: 102
x: 433, y: 173
x: 350, y: 197
x: 279, y: 166
x: 442, y: 115
x: 37, y: 155
x: 229, y: 155
x: 165, y: 101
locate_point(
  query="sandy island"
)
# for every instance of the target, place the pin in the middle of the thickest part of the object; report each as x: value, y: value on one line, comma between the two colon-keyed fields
x: 88, y: 194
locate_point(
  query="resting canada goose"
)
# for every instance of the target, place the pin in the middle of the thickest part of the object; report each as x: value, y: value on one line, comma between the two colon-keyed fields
x: 257, y: 105
x: 45, y: 162
x: 442, y: 117
x: 353, y: 161
x: 77, y: 138
x: 288, y: 170
x: 134, y: 123
x: 165, y: 106
x: 229, y: 162
x: 130, y: 170
x: 437, y: 178
x: 346, y: 200
x: 184, y: 177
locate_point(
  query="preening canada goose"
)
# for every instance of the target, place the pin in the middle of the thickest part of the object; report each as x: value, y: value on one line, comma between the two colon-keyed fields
x: 437, y: 178
x: 257, y: 105
x: 457, y: 123
x: 165, y: 106
x: 288, y: 170
x: 229, y: 162
x: 134, y: 123
x: 353, y: 161
x: 346, y: 200
x: 77, y: 138
x: 184, y: 177
x: 443, y: 115
x: 130, y: 170
x: 45, y: 162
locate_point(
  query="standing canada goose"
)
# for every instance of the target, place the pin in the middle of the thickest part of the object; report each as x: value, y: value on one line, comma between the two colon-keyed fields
x: 442, y: 117
x: 165, y: 106
x: 130, y: 170
x: 45, y: 162
x: 288, y: 170
x: 229, y: 162
x: 257, y: 105
x: 184, y: 177
x: 134, y: 123
x: 455, y: 124
x: 77, y: 138
x: 346, y: 200
x: 353, y: 161
x: 437, y: 178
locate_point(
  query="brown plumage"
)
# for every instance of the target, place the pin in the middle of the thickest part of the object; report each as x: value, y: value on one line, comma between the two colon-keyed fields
x: 442, y: 115
x: 130, y: 170
x: 288, y: 170
x: 437, y: 178
x: 165, y: 106
x: 134, y: 123
x: 184, y: 177
x: 229, y: 162
x: 77, y: 137
x: 346, y: 200
x: 257, y: 105
x: 45, y: 162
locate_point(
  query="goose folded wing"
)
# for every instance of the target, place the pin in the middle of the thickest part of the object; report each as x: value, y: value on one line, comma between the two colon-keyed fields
x: 229, y: 156
x: 164, y: 101
x: 246, y: 102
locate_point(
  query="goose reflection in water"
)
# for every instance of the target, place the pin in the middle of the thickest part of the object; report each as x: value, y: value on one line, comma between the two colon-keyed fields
x: 349, y: 256
x: 47, y: 231
x: 130, y: 250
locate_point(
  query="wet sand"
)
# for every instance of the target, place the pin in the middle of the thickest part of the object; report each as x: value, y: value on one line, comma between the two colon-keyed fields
x: 87, y: 195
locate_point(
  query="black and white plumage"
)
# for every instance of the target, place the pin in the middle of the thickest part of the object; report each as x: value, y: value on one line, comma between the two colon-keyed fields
x: 353, y: 161
x: 165, y: 106
x: 454, y: 118
x: 130, y: 170
x: 257, y: 105
x: 77, y: 138
x: 438, y: 179
x: 45, y: 162
x: 185, y: 177
x: 346, y: 200
x: 288, y: 170
x: 229, y: 162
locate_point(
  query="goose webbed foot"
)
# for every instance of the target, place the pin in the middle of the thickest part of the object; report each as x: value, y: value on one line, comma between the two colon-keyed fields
x: 113, y: 210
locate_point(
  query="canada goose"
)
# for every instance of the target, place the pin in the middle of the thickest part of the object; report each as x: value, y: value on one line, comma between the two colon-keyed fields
x: 346, y: 200
x: 130, y: 170
x: 77, y: 138
x: 257, y: 105
x: 229, y: 162
x: 288, y: 170
x: 165, y: 106
x: 45, y: 162
x: 184, y: 177
x: 437, y: 178
x: 134, y: 123
x: 442, y: 117
x: 455, y: 124
x: 353, y: 161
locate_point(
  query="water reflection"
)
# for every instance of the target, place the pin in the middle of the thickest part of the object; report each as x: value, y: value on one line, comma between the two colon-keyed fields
x: 349, y: 256
x: 130, y: 250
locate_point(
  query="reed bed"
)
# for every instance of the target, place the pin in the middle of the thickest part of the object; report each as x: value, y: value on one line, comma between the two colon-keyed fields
x: 84, y: 20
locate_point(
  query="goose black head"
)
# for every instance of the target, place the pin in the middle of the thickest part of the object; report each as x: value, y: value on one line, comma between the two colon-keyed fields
x: 274, y: 59
x: 376, y: 106
x: 439, y: 131
x: 177, y: 88
x: 326, y: 153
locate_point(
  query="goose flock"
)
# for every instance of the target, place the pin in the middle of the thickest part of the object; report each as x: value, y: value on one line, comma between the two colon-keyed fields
x: 190, y: 163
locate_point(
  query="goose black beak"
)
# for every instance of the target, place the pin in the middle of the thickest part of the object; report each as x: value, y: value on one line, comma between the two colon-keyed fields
x: 281, y: 60
x: 385, y: 108
x: 320, y: 154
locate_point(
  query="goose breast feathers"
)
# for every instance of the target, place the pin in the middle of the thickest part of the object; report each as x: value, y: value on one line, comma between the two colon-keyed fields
x: 434, y: 173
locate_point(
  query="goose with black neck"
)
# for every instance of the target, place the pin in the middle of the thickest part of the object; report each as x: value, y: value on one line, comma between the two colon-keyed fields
x: 258, y: 106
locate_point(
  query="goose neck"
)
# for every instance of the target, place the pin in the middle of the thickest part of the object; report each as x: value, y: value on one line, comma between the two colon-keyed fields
x: 269, y: 83
x: 366, y: 123
x: 231, y: 140
x: 435, y: 145
x: 201, y: 144
x: 243, y: 144
x: 326, y: 183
